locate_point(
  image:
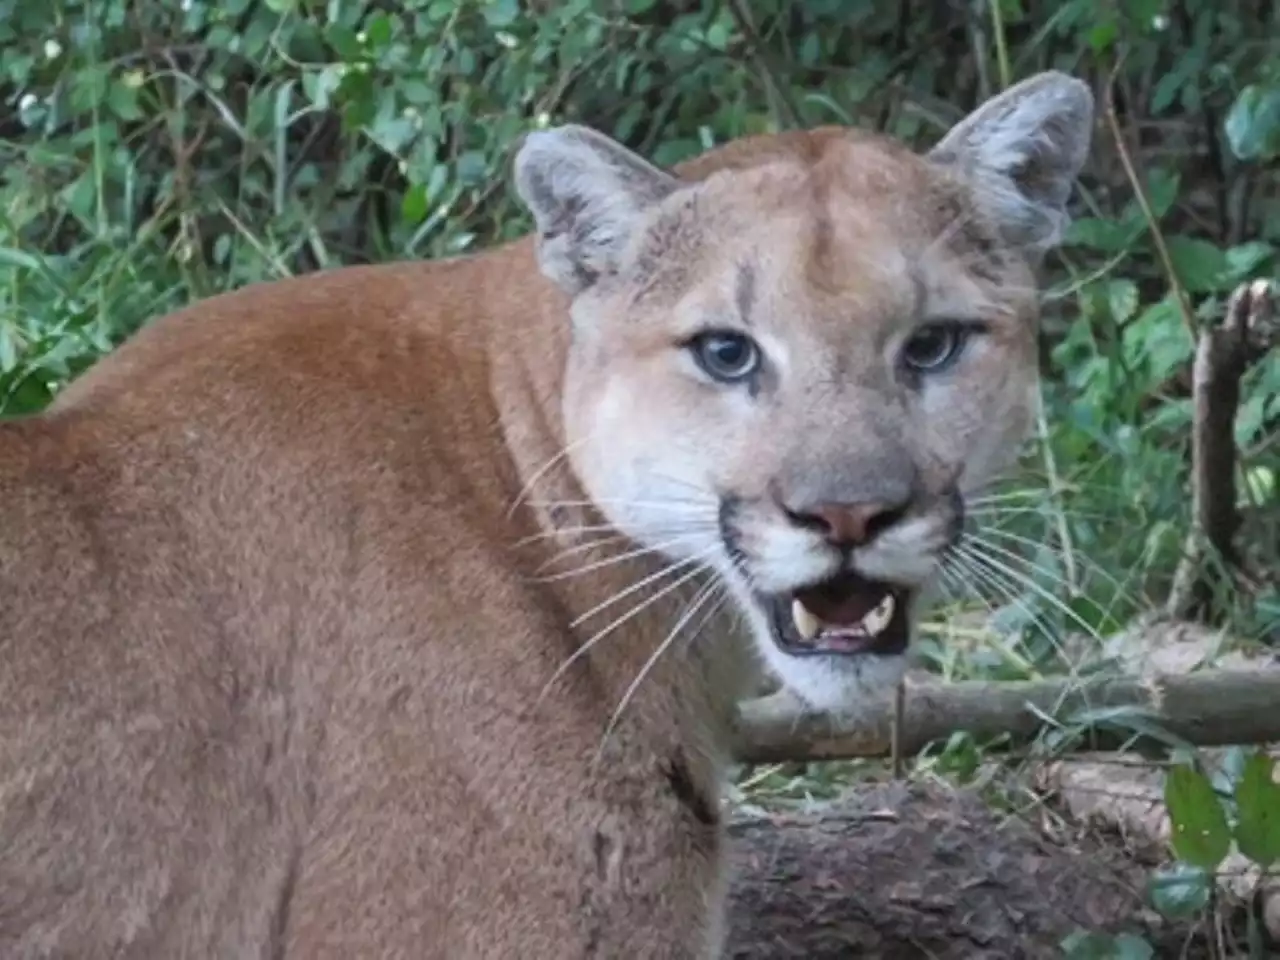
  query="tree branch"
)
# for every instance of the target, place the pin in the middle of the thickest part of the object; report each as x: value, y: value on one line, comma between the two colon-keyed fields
x: 1208, y: 708
x: 1224, y: 354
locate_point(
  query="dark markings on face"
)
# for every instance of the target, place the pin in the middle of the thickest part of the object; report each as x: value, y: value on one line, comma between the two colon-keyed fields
x: 744, y: 292
x: 728, y: 532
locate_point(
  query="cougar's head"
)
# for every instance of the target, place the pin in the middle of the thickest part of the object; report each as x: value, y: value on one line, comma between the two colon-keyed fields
x: 792, y: 364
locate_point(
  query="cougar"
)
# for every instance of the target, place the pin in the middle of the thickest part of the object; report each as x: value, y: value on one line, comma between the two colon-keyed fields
x: 400, y: 611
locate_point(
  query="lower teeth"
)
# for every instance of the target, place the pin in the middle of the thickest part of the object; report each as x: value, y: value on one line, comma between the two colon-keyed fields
x: 874, y: 623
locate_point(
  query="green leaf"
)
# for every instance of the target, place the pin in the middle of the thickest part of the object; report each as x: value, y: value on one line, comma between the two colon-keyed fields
x: 9, y: 350
x: 1157, y: 340
x: 1253, y: 123
x: 122, y: 98
x: 344, y: 41
x: 501, y: 13
x: 1103, y: 36
x: 381, y: 29
x: 1180, y: 890
x: 473, y: 167
x: 1122, y: 298
x: 1200, y: 265
x: 1162, y: 190
x: 1199, y: 834
x: 1086, y: 945
x: 960, y: 757
x: 414, y: 206
x: 1107, y: 236
x: 1244, y: 259
x: 1257, y: 796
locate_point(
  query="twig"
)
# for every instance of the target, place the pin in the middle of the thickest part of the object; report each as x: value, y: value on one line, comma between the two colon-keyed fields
x: 782, y: 100
x: 1224, y: 354
x: 1140, y: 194
x: 1207, y: 708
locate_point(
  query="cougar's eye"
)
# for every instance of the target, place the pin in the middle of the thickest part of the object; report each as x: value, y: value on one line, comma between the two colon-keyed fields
x: 727, y: 357
x: 934, y: 347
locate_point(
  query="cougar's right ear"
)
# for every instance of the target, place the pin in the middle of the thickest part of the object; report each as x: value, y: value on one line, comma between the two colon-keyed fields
x: 587, y: 194
x: 1021, y: 151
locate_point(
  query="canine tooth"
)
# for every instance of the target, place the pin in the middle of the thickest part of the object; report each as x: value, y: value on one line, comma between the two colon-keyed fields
x: 807, y: 625
x: 877, y: 621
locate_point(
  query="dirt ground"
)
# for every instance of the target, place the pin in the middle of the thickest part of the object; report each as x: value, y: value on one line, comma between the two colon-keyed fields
x: 904, y: 871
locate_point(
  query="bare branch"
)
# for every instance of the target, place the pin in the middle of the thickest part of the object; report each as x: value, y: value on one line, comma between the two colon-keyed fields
x: 1224, y: 354
x: 1208, y: 708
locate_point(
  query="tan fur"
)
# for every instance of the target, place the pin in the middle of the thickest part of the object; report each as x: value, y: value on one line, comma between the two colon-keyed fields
x: 278, y: 626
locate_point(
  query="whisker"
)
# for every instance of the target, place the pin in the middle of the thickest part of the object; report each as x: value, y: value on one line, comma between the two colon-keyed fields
x: 538, y: 474
x: 682, y: 482
x: 1028, y: 493
x: 586, y: 647
x: 582, y: 547
x: 1089, y: 562
x: 639, y: 585
x: 699, y: 599
x: 676, y: 504
x: 677, y: 526
x: 976, y: 553
x: 640, y: 551
x: 980, y: 581
x: 1003, y: 590
x: 1000, y: 512
x: 564, y: 531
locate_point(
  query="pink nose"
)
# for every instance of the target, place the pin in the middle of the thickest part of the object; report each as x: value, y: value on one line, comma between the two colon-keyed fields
x: 848, y: 524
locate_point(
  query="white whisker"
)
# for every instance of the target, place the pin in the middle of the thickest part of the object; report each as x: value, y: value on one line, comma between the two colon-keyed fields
x: 671, y: 503
x: 1090, y: 564
x: 586, y: 647
x: 640, y: 585
x: 701, y: 597
x: 640, y: 551
x: 992, y: 563
x: 538, y: 474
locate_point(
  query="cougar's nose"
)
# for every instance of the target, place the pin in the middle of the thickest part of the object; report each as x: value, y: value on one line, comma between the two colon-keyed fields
x: 847, y: 525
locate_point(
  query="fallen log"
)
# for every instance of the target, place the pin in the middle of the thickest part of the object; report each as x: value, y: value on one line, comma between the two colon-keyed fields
x: 1208, y: 708
x: 917, y: 871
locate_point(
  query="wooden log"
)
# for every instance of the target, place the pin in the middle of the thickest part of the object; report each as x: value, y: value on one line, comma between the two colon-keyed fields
x: 1208, y: 708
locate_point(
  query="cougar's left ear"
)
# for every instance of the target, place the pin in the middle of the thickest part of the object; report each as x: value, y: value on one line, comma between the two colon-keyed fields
x: 587, y: 195
x: 1022, y: 151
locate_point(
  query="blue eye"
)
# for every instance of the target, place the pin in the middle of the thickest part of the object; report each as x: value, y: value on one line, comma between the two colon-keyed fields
x: 935, y: 346
x: 727, y: 357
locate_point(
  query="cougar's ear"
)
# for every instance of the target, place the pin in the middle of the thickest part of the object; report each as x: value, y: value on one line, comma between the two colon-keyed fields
x: 587, y: 195
x: 1022, y: 151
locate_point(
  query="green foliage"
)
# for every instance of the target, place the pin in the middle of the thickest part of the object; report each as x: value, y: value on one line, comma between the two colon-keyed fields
x: 1239, y: 808
x: 1181, y: 890
x: 1257, y: 796
x: 1200, y: 834
x: 1084, y: 945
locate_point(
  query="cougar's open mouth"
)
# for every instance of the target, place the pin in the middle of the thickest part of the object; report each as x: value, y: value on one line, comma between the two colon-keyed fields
x: 847, y: 615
